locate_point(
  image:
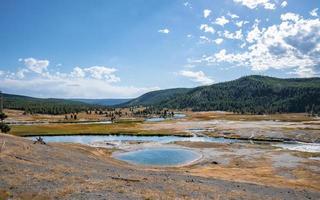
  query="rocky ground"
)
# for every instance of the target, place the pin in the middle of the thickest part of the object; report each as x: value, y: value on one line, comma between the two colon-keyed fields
x: 72, y: 171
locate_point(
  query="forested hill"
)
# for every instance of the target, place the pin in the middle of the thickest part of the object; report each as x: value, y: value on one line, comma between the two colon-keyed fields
x: 46, y: 106
x: 250, y: 94
x: 156, y: 97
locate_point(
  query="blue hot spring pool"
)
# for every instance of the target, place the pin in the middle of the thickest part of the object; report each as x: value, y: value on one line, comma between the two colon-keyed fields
x: 159, y: 156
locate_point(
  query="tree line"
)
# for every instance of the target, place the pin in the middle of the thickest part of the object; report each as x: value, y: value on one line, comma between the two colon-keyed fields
x: 47, y: 106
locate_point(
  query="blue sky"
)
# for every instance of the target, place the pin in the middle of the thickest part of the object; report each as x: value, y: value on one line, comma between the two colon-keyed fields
x: 122, y: 48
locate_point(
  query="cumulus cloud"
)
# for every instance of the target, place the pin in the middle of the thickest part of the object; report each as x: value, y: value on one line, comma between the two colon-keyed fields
x: 284, y: 4
x: 71, y: 88
x: 252, y: 4
x: 314, y: 13
x: 294, y: 45
x: 102, y: 73
x: 241, y: 23
x: 35, y: 65
x: 254, y: 34
x: 204, y: 39
x: 78, y: 73
x: 206, y: 28
x: 21, y: 73
x: 234, y: 36
x: 165, y: 31
x: 206, y: 13
x: 218, y: 41
x: 222, y: 56
x: 222, y: 21
x: 290, y: 17
x: 233, y: 16
x: 197, y: 76
x: 82, y: 82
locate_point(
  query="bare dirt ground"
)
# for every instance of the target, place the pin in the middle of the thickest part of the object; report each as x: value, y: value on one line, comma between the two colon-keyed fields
x: 281, y: 126
x: 72, y: 171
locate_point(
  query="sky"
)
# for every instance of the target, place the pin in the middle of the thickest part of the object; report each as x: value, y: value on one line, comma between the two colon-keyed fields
x: 124, y: 48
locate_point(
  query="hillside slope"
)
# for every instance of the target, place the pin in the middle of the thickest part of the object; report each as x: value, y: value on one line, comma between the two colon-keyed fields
x: 250, y: 94
x: 156, y: 97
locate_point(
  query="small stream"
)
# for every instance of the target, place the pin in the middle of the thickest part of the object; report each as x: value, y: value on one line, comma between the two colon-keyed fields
x: 92, y: 139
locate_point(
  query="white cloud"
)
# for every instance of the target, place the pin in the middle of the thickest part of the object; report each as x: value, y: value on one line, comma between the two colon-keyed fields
x: 270, y: 6
x: 71, y: 88
x: 255, y: 3
x: 314, y: 13
x: 206, y: 13
x: 165, y: 31
x: 241, y: 23
x: 254, y: 34
x: 21, y: 73
x: 233, y: 16
x: 290, y: 17
x: 218, y: 41
x: 284, y: 4
x: 78, y: 73
x: 234, y: 36
x: 222, y: 56
x: 206, y: 28
x: 187, y: 4
x: 38, y: 66
x: 243, y: 45
x: 198, y: 77
x: 81, y: 82
x: 102, y: 73
x: 293, y: 45
x: 221, y: 21
x: 204, y: 39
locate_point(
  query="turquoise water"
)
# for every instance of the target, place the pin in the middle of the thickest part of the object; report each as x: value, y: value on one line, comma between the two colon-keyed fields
x: 159, y: 156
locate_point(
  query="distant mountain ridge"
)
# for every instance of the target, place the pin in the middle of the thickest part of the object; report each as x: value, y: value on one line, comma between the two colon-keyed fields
x: 249, y: 94
x: 103, y: 102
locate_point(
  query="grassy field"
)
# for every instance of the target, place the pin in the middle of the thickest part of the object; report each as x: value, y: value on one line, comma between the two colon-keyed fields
x: 89, y: 129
